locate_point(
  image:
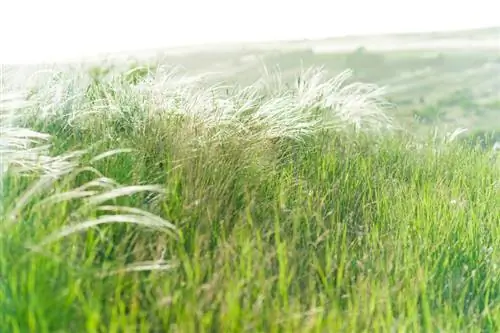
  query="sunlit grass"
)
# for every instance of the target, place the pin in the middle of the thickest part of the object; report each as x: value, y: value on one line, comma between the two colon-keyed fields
x: 163, y: 206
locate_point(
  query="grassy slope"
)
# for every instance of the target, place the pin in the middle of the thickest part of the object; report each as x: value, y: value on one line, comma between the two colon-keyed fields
x: 339, y: 232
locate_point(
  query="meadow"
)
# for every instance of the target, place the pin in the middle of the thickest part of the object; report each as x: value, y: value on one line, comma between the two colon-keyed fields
x: 150, y: 200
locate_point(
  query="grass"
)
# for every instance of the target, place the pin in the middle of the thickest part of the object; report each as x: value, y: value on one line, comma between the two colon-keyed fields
x: 160, y: 206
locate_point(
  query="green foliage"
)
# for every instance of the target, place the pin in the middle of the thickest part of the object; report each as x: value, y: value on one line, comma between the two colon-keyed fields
x: 99, y: 88
x: 329, y: 232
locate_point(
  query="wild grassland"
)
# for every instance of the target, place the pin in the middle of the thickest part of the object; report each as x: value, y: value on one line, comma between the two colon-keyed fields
x: 160, y: 206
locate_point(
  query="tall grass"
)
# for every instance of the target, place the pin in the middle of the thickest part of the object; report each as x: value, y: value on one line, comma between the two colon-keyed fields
x: 157, y: 204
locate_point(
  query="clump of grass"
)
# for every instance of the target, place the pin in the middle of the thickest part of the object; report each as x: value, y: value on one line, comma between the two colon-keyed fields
x: 294, y: 210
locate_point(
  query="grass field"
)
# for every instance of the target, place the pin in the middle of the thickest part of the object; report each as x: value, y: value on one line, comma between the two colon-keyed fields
x: 144, y: 201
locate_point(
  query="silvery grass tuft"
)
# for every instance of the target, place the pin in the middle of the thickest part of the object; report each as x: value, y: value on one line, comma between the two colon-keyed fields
x: 313, y: 104
x: 25, y: 153
x: 264, y: 110
x: 23, y: 150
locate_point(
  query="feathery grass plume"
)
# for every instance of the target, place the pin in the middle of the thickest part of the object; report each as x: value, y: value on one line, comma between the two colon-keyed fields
x: 108, y: 103
x: 23, y: 150
x: 267, y: 110
x: 261, y: 111
x: 26, y: 152
x: 452, y: 136
x: 52, y: 176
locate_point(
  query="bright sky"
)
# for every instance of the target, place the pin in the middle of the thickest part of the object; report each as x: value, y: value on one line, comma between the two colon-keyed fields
x: 40, y: 30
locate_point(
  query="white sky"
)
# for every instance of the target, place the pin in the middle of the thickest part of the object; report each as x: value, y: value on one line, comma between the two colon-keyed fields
x: 40, y: 30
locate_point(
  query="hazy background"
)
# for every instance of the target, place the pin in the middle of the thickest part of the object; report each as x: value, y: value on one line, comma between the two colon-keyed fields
x: 33, y: 31
x: 439, y: 61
